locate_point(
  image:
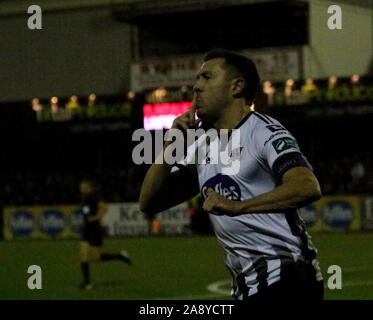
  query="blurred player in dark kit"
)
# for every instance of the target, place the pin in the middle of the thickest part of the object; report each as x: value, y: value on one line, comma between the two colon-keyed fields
x: 93, y: 209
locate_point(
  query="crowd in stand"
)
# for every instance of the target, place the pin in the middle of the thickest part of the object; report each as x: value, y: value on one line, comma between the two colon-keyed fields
x: 337, y: 175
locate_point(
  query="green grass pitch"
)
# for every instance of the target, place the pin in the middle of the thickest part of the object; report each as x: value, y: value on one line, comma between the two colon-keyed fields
x: 165, y: 268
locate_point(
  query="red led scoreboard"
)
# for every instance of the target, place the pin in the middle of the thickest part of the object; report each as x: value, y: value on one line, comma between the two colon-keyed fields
x: 161, y: 115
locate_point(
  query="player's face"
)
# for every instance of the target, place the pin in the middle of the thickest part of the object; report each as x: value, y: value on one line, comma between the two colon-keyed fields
x: 85, y: 188
x: 212, y: 90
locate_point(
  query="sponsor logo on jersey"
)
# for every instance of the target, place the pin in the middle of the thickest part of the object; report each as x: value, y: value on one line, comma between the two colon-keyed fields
x: 283, y: 144
x: 52, y: 222
x: 21, y: 223
x: 224, y: 185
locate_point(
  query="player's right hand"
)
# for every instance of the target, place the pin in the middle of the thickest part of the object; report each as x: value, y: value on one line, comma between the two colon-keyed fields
x: 184, y: 122
x: 187, y: 120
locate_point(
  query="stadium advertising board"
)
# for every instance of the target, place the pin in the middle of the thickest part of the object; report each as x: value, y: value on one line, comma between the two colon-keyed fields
x: 161, y: 115
x: 273, y: 65
x: 42, y: 222
x: 112, y: 114
x: 65, y: 222
x: 343, y: 93
x: 330, y: 213
x: 126, y: 219
x: 333, y: 213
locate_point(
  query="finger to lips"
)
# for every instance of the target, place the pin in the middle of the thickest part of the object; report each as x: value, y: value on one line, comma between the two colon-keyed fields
x: 193, y: 107
x: 191, y: 114
x: 180, y: 123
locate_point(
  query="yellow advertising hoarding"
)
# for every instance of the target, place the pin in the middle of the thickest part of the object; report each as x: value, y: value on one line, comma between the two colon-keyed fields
x: 330, y: 213
x: 42, y: 222
x: 333, y: 213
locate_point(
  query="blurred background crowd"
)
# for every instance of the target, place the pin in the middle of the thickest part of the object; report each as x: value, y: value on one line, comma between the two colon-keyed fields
x: 350, y: 174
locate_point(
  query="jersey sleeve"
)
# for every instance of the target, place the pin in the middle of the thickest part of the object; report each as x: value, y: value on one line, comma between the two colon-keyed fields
x: 278, y: 149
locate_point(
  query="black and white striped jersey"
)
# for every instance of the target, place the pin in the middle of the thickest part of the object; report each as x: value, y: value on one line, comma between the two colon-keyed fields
x: 258, y: 247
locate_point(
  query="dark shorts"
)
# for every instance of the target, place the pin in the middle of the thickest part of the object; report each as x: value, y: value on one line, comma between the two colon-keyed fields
x: 93, y: 234
x: 297, y: 284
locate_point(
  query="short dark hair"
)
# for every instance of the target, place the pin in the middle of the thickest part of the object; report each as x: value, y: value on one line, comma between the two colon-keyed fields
x: 235, y: 65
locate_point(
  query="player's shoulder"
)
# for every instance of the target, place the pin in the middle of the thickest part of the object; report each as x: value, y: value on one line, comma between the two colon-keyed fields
x: 263, y: 125
x: 261, y: 120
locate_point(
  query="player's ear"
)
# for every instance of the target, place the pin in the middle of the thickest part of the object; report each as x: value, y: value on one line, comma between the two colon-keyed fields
x: 238, y: 85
